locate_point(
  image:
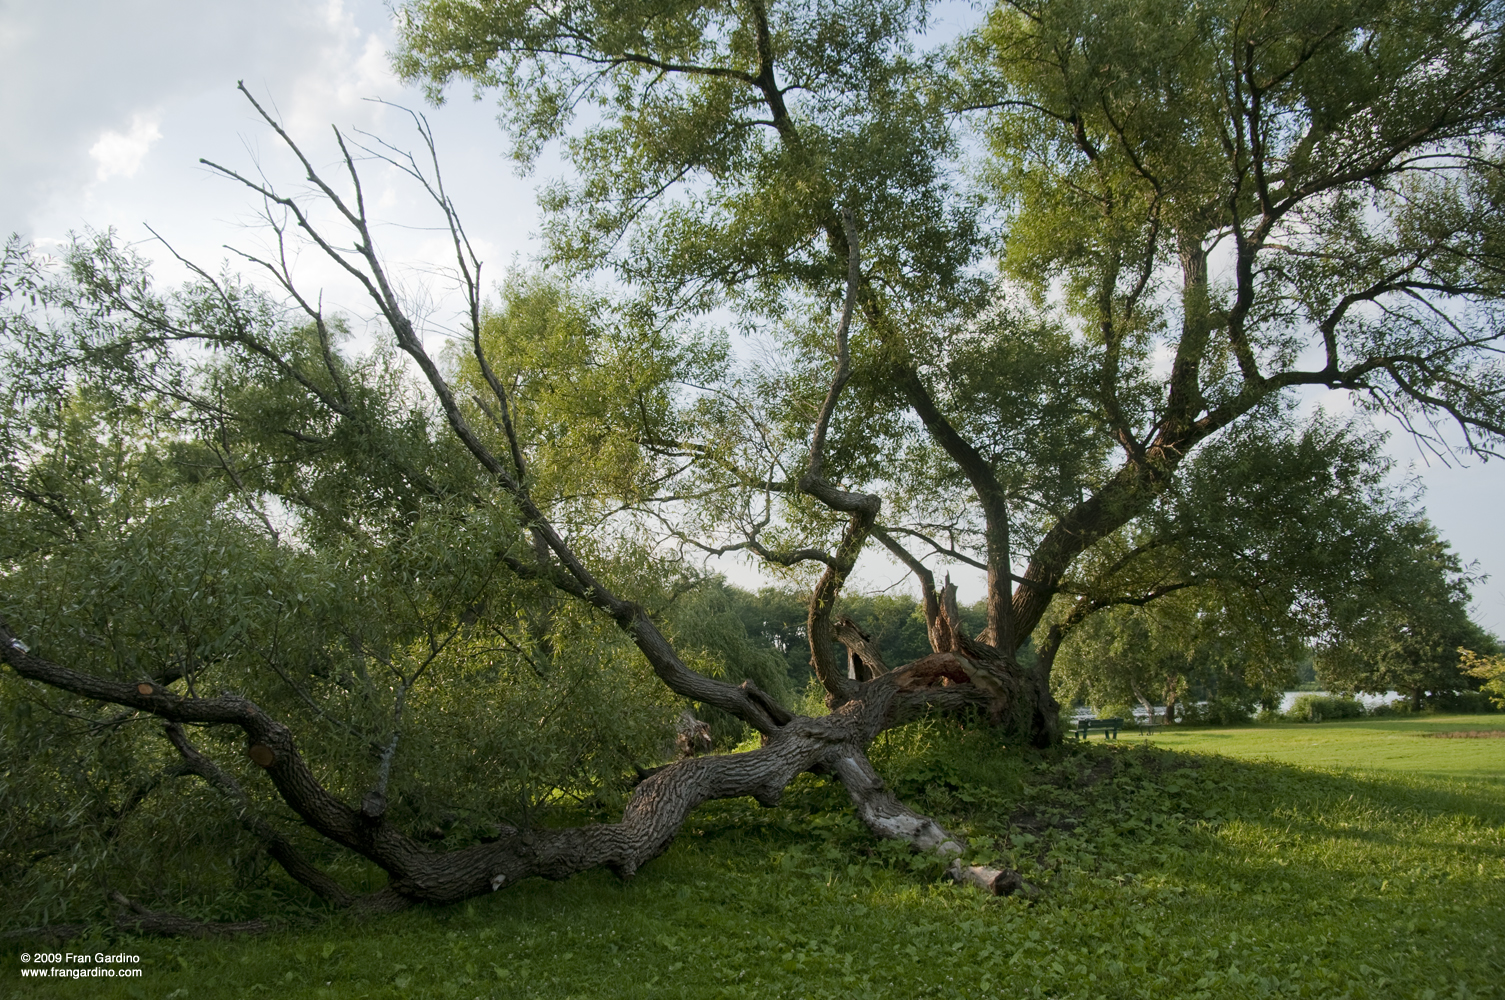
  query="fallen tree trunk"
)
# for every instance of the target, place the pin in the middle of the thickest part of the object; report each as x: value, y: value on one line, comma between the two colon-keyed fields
x: 833, y: 745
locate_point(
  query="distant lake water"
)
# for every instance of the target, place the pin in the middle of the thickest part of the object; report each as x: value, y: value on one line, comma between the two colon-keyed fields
x: 1369, y: 700
x: 1287, y: 699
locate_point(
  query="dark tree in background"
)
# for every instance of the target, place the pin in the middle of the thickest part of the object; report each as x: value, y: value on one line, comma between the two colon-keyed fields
x: 1414, y: 638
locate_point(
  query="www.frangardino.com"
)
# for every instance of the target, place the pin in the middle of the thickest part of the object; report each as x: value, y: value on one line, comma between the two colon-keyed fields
x: 42, y: 965
x: 64, y: 972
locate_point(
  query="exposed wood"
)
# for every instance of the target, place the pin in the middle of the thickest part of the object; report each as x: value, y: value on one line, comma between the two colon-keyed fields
x: 864, y: 659
x: 691, y: 736
x: 995, y: 881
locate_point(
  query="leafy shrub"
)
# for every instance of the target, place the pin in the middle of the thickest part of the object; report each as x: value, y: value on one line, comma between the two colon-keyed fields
x: 1322, y: 707
x: 1489, y: 669
x: 1472, y: 702
x: 1224, y: 710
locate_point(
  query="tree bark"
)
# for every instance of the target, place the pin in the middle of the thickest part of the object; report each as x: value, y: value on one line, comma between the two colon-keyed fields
x: 832, y: 745
x: 1002, y: 631
x: 864, y: 659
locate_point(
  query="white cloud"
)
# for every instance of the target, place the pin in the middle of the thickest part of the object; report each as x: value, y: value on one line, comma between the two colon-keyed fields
x: 119, y: 154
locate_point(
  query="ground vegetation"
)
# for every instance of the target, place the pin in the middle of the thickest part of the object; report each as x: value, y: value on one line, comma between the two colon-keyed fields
x: 1303, y: 861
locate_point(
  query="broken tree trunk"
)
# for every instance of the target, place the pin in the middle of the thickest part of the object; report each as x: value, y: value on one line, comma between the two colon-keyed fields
x: 833, y: 745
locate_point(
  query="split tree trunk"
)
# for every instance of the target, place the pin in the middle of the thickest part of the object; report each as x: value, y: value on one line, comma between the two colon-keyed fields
x: 832, y: 745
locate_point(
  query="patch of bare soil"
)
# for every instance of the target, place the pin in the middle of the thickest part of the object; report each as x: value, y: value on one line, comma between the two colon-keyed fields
x: 1469, y: 734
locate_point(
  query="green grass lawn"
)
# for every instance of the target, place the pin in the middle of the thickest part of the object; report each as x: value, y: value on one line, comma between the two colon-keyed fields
x: 1354, y: 860
x: 1408, y: 744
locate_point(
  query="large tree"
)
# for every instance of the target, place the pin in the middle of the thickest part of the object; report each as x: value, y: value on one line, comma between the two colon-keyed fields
x: 1197, y: 211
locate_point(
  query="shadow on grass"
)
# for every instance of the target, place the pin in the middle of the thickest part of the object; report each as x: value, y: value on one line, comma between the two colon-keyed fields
x: 1166, y: 873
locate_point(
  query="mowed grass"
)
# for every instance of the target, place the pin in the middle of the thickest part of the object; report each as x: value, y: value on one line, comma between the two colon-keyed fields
x: 1163, y: 873
x: 1408, y: 744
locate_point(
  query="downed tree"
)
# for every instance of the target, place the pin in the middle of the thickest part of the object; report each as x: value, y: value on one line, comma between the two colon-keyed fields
x: 833, y: 745
x: 332, y: 574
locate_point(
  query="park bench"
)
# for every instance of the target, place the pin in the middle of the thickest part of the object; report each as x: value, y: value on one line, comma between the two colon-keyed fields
x: 1108, y: 727
x: 1152, y: 724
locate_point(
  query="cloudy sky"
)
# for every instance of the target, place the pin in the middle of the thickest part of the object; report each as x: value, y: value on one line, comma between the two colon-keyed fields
x: 108, y: 106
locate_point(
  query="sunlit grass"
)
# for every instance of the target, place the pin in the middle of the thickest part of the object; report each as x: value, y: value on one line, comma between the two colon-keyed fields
x: 1163, y: 874
x: 1407, y: 744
